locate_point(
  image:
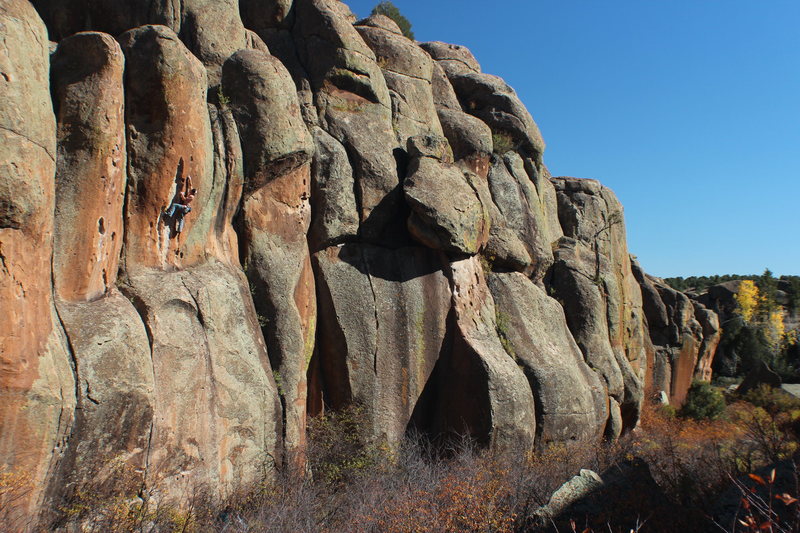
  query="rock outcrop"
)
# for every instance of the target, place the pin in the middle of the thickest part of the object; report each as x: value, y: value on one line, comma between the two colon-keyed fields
x: 373, y: 226
x: 683, y: 336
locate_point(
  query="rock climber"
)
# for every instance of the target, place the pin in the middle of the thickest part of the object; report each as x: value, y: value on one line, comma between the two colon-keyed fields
x: 180, y: 205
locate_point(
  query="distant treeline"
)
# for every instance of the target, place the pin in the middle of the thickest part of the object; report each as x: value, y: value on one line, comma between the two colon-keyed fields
x: 765, y: 282
x: 700, y: 283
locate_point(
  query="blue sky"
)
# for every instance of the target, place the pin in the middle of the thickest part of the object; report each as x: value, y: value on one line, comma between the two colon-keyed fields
x: 688, y: 109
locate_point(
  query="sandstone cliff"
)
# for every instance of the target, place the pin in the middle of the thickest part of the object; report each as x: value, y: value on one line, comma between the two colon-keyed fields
x: 374, y: 225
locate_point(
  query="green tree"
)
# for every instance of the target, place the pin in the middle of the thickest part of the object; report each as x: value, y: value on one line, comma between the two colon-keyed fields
x: 391, y: 11
x: 768, y: 286
x: 792, y: 289
x: 703, y: 402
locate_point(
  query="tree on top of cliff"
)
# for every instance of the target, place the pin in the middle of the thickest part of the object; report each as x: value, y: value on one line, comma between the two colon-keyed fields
x: 391, y: 11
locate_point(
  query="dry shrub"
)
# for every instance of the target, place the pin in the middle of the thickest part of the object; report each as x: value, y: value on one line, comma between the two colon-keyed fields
x: 14, y: 489
x: 690, y: 459
x: 355, y: 484
x: 470, y: 491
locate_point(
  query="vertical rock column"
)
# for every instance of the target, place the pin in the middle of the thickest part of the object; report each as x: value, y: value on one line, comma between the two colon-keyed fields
x: 571, y: 401
x: 383, y: 325
x: 276, y: 216
x: 484, y: 394
x: 408, y: 71
x: 217, y: 415
x: 169, y: 138
x: 678, y: 337
x: 211, y: 29
x: 108, y: 339
x: 592, y: 277
x: 355, y: 108
x: 37, y: 389
x: 712, y: 333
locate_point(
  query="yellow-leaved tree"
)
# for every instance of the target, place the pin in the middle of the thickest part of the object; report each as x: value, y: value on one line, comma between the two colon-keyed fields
x: 747, y: 300
x: 774, y: 330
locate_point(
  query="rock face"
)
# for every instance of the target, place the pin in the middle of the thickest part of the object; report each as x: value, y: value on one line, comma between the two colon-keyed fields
x: 485, y: 395
x: 37, y: 386
x: 87, y: 73
x: 570, y: 397
x: 276, y: 215
x: 169, y: 139
x: 211, y: 29
x: 217, y: 415
x: 109, y: 344
x: 373, y: 226
x: 446, y: 211
x: 682, y: 342
x: 382, y: 356
x: 593, y: 277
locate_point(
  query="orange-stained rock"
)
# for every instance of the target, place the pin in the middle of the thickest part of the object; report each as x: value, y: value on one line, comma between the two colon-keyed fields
x: 109, y: 344
x: 684, y: 337
x: 91, y: 165
x: 712, y: 333
x: 276, y: 219
x: 37, y: 389
x: 211, y: 29
x: 169, y: 138
x: 227, y: 187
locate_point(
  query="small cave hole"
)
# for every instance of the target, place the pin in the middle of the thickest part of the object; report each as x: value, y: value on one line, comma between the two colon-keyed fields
x: 101, y: 226
x: 113, y: 235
